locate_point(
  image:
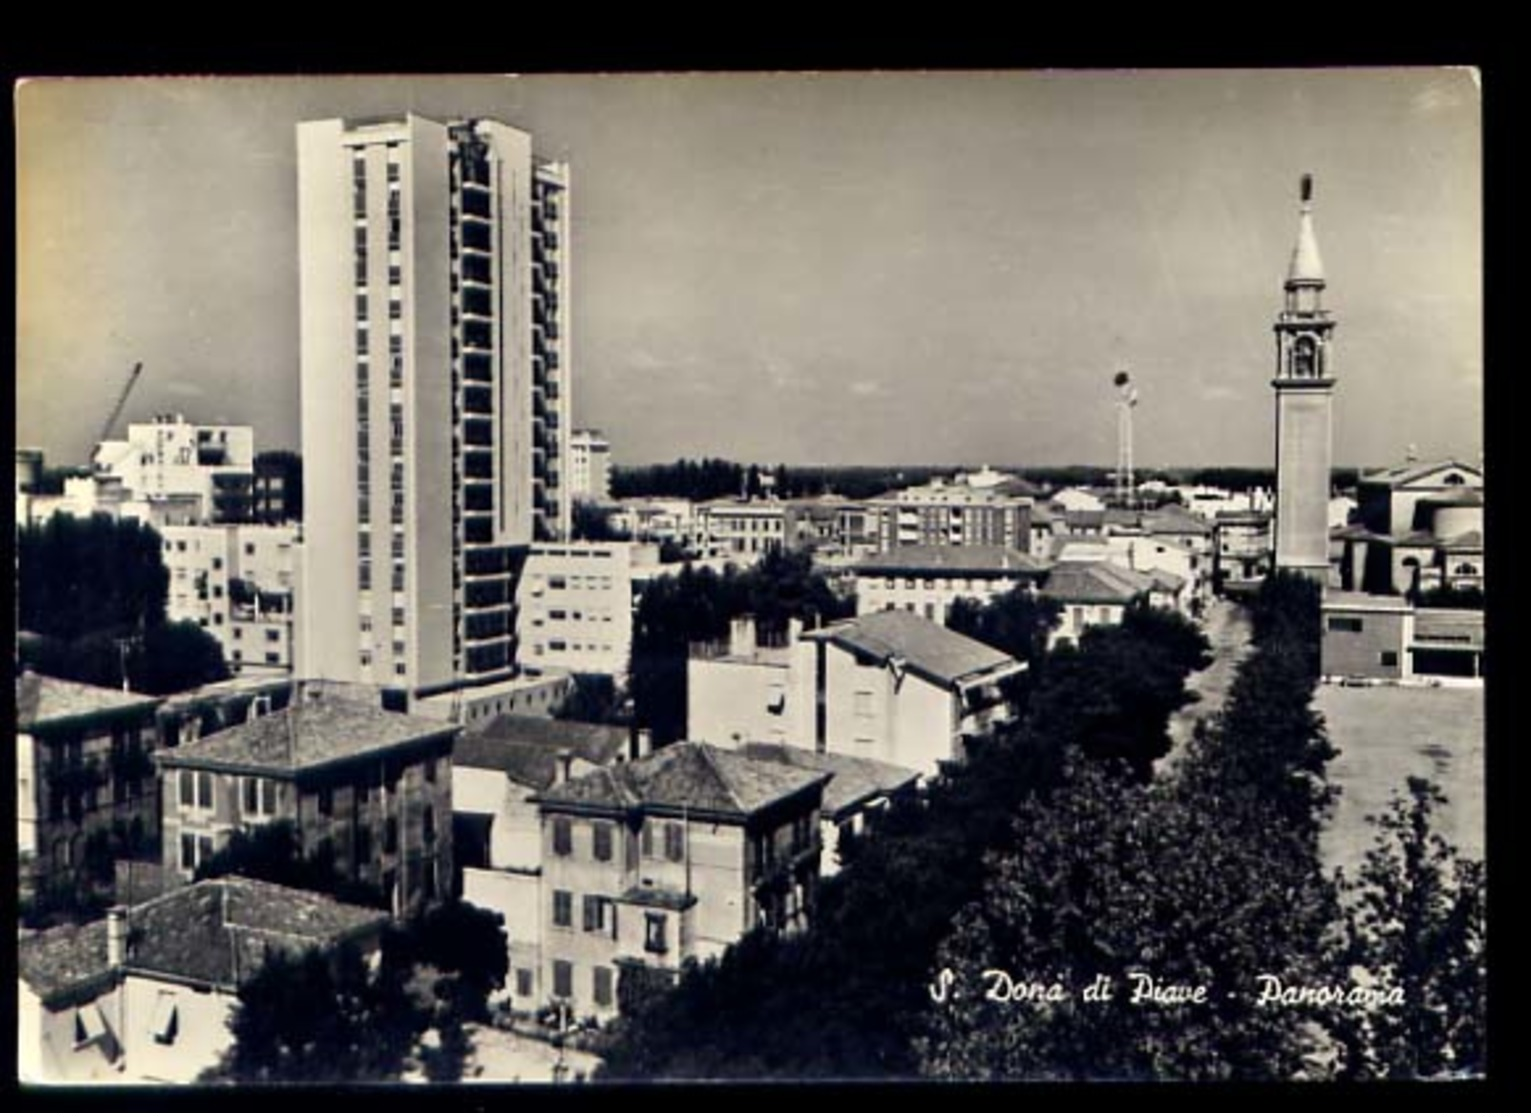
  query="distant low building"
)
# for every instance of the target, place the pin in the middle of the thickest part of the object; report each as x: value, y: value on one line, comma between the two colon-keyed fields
x: 147, y: 994
x: 928, y: 579
x: 367, y: 791
x: 1384, y: 637
x: 670, y: 858
x: 1098, y: 593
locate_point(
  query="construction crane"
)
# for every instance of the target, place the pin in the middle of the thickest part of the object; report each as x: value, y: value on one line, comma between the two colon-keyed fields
x: 122, y: 401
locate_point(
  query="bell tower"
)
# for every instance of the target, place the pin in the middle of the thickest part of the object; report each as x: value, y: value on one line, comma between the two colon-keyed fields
x: 1304, y: 384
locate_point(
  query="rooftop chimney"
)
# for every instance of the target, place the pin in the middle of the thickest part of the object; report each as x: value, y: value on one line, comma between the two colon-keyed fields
x: 641, y: 744
x: 562, y: 768
x: 116, y: 935
x: 741, y: 636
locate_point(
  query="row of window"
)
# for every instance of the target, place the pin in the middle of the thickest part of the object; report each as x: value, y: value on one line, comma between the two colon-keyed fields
x: 602, y: 837
x: 598, y: 916
x: 602, y: 987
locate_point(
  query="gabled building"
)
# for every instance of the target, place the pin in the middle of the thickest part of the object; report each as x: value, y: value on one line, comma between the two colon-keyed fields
x: 367, y: 791
x: 1098, y: 593
x: 857, y: 794
x: 1419, y: 527
x: 145, y: 995
x: 928, y: 579
x: 654, y: 862
x: 498, y: 770
x: 891, y: 686
x: 85, y: 786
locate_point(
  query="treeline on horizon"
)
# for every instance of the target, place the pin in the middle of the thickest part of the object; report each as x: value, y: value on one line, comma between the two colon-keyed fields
x: 719, y: 478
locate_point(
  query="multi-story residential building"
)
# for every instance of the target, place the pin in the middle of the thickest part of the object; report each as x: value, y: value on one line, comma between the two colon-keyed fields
x: 434, y: 279
x: 891, y: 686
x: 85, y: 786
x: 743, y: 529
x: 497, y: 771
x: 170, y: 457
x: 574, y: 605
x: 589, y: 466
x: 942, y: 514
x: 368, y: 793
x: 84, y: 497
x: 927, y: 580
x: 1241, y: 548
x: 1098, y: 593
x: 672, y: 857
x: 276, y: 495
x: 659, y: 519
x: 858, y: 792
x: 241, y: 584
x: 147, y: 995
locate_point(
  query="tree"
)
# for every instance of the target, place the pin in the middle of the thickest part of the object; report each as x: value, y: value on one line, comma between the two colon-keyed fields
x: 273, y: 853
x: 696, y: 606
x: 1417, y: 921
x: 175, y: 657
x: 592, y: 523
x: 594, y: 698
x: 321, y: 1017
x: 1016, y: 622
x: 84, y: 576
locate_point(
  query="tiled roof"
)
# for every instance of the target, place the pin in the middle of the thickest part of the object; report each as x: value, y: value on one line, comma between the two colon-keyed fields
x: 1413, y: 471
x: 1094, y: 583
x: 308, y: 734
x: 686, y: 776
x: 215, y: 931
x: 1084, y: 517
x: 1467, y: 541
x: 982, y: 559
x: 1174, y: 520
x: 1463, y: 627
x: 61, y: 959
x: 526, y: 749
x: 855, y: 778
x: 41, y: 699
x: 1165, y: 579
x: 924, y: 646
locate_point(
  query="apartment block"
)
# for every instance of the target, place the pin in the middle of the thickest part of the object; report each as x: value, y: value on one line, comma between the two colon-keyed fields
x: 241, y: 584
x: 574, y: 605
x: 367, y: 791
x: 435, y: 355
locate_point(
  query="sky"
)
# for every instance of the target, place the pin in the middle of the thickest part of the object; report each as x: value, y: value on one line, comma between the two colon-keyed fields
x: 899, y: 268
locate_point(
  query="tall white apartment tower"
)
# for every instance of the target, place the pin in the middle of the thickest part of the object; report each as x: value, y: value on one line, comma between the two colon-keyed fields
x: 434, y: 286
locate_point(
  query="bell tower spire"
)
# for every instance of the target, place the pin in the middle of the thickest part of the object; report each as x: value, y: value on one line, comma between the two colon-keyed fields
x: 1304, y: 384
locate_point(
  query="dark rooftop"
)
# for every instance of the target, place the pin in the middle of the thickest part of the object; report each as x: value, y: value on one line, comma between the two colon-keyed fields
x: 925, y: 647
x: 215, y: 932
x: 1090, y: 583
x: 686, y: 776
x: 981, y: 559
x: 526, y: 749
x: 855, y: 779
x: 308, y: 734
x: 42, y: 699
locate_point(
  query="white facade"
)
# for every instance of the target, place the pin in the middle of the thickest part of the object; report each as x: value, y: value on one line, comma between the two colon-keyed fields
x: 574, y: 605
x: 589, y: 465
x: 885, y: 711
x: 746, y: 530
x: 240, y: 583
x: 170, y: 457
x: 433, y: 270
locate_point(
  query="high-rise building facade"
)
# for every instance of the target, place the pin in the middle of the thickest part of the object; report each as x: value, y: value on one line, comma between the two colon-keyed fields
x: 1304, y: 385
x: 434, y: 291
